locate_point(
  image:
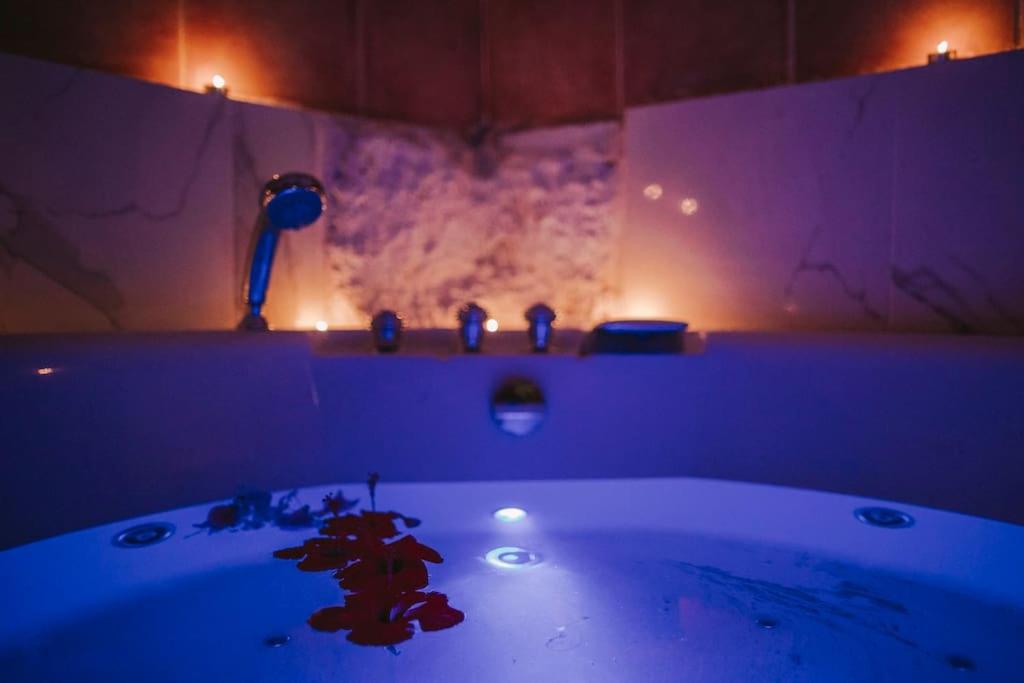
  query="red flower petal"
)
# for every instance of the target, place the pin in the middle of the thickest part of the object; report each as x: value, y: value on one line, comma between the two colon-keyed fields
x: 409, y: 547
x: 330, y: 619
x: 373, y: 575
x: 377, y: 633
x: 435, y: 613
x: 296, y: 553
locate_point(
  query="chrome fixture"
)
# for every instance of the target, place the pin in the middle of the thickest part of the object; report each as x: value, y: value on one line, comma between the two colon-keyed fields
x: 387, y: 331
x: 540, y: 317
x: 887, y: 518
x: 144, y: 535
x: 471, y: 327
x: 518, y: 406
x: 288, y: 202
x: 636, y: 336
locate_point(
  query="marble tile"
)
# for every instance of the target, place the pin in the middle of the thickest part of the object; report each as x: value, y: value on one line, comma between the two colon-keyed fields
x: 422, y: 222
x: 117, y: 192
x: 958, y: 203
x: 766, y: 210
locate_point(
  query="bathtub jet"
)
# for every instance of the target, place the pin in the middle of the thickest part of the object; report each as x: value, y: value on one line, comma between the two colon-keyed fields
x: 288, y: 202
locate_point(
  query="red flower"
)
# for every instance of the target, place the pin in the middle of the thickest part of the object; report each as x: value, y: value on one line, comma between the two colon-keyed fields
x: 365, y: 525
x: 387, y: 618
x: 321, y: 554
x: 390, y: 568
x: 335, y: 504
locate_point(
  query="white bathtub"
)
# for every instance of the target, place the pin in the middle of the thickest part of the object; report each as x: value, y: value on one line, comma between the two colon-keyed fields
x: 638, y: 580
x: 125, y: 425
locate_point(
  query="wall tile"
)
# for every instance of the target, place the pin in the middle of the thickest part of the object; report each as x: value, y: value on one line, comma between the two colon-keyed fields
x: 131, y: 37
x: 551, y: 62
x: 423, y: 61
x: 117, y: 193
x: 682, y: 48
x: 958, y: 200
x: 302, y: 51
x: 788, y: 200
x: 841, y: 38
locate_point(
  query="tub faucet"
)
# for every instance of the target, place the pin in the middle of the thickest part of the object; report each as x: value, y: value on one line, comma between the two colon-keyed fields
x: 471, y: 327
x: 540, y: 317
x: 288, y: 202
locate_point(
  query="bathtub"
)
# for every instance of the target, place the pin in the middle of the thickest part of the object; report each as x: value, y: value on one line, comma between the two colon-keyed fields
x: 97, y: 428
x: 695, y: 516
x: 628, y: 580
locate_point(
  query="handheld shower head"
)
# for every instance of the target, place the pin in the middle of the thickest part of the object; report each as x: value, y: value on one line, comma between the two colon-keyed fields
x: 288, y: 202
x: 292, y: 201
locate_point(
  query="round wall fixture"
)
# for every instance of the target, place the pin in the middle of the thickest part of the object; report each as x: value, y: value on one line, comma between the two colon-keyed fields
x: 144, y: 535
x: 518, y: 407
x: 885, y: 518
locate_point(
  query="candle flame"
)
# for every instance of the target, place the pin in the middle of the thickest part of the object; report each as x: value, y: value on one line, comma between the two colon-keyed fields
x: 943, y: 47
x: 218, y: 82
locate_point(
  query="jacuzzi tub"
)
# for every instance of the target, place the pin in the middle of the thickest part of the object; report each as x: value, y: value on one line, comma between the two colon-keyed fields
x: 644, y: 575
x: 637, y: 580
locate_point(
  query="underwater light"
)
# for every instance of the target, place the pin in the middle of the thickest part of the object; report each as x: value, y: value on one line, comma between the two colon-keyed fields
x: 510, y: 515
x: 510, y: 557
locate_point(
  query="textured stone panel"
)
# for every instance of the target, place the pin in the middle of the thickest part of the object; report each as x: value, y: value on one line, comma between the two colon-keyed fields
x: 421, y: 222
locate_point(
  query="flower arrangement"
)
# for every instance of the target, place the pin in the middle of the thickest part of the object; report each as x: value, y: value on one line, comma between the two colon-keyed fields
x: 384, y: 579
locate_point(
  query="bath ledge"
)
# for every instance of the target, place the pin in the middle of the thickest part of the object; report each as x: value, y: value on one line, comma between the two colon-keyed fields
x: 444, y: 342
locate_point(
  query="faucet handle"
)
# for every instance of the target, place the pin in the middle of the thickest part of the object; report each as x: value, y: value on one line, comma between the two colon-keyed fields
x: 540, y: 316
x: 387, y: 331
x: 471, y: 326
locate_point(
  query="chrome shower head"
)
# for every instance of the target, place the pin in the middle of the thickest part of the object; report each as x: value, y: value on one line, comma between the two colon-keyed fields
x: 288, y: 202
x: 292, y: 201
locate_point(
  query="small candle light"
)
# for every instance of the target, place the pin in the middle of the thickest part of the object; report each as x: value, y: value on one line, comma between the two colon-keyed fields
x: 491, y: 325
x: 942, y: 53
x: 218, y: 85
x: 320, y: 325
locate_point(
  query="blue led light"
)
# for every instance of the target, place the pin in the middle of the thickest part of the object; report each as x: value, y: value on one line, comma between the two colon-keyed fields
x: 510, y: 557
x: 510, y: 515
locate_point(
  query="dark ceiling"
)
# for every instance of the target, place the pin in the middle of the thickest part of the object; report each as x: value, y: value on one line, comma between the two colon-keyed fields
x: 513, y: 63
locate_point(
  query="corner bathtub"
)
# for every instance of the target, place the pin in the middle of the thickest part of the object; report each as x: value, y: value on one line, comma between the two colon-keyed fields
x: 637, y: 580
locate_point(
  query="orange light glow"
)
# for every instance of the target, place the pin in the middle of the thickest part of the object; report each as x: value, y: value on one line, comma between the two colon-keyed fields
x: 320, y: 325
x: 491, y: 325
x: 943, y: 47
x: 689, y: 206
x: 653, y: 191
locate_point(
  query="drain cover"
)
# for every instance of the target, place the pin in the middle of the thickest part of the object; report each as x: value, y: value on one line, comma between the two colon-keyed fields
x: 886, y: 518
x: 144, y: 535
